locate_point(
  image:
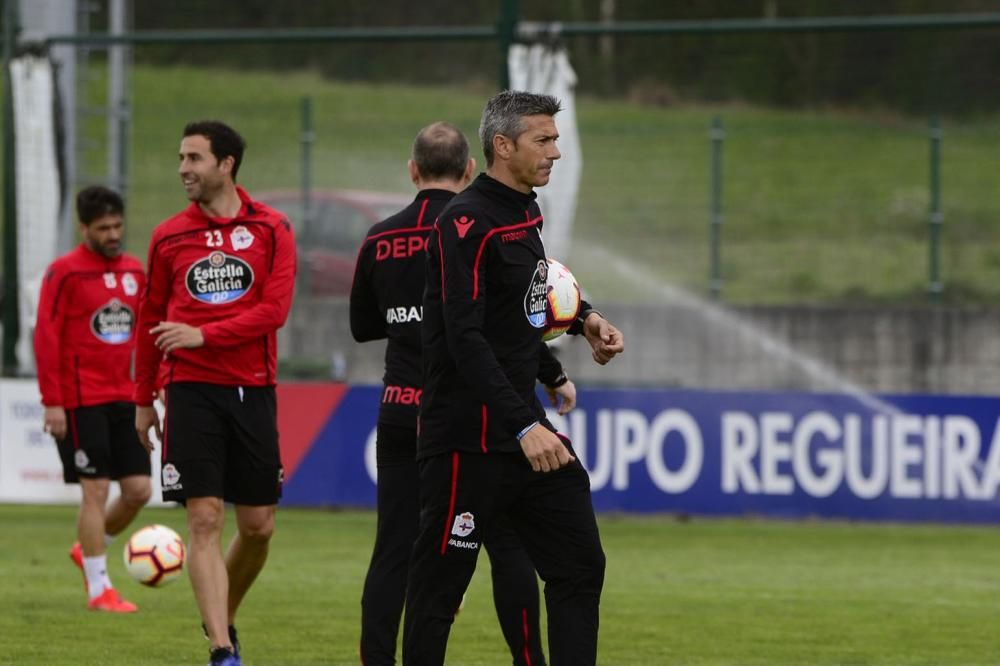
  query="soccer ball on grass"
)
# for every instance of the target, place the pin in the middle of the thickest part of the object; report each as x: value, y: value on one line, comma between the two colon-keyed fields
x: 562, y: 300
x: 154, y: 555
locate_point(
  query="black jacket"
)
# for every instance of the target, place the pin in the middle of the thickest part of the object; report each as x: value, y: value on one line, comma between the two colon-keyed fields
x: 484, y: 311
x: 386, y: 299
x: 387, y: 302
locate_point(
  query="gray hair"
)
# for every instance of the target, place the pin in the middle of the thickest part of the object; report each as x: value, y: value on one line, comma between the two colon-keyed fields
x: 504, y: 113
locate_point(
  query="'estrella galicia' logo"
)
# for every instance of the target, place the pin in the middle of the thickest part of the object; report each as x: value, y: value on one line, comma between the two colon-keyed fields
x: 219, y: 278
x: 113, y: 323
x: 534, y: 298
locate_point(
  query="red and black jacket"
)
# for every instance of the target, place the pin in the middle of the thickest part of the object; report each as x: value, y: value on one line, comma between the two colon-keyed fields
x: 231, y: 277
x: 387, y: 302
x: 85, y: 332
x: 483, y: 316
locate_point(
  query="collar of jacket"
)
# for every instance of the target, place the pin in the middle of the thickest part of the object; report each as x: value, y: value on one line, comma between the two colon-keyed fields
x: 434, y: 193
x: 247, y: 209
x: 496, y: 190
x: 98, y: 258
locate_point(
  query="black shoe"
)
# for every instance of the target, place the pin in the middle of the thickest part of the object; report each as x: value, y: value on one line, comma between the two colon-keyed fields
x: 233, y: 637
x: 223, y: 657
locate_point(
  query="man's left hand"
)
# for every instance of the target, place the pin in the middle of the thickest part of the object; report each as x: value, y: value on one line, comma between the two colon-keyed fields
x: 605, y: 340
x: 171, y: 335
x: 563, y: 398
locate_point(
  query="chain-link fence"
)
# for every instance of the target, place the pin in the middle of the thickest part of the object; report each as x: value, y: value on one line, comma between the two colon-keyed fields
x: 816, y: 206
x: 820, y: 200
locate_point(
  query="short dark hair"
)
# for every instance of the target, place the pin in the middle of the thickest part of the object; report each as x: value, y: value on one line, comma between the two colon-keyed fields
x: 441, y: 151
x: 97, y: 201
x: 223, y: 140
x: 504, y: 112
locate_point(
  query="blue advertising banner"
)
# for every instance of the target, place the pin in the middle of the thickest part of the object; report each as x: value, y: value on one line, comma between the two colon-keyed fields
x: 790, y: 454
x: 896, y: 457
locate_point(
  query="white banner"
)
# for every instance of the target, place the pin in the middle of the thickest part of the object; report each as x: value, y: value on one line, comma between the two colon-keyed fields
x: 30, y: 470
x: 542, y: 69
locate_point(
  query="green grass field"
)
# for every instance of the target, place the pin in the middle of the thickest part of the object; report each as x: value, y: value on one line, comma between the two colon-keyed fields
x: 819, y: 206
x: 694, y: 593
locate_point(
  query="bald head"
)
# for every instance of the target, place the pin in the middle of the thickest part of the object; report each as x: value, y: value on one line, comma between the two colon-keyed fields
x: 441, y: 152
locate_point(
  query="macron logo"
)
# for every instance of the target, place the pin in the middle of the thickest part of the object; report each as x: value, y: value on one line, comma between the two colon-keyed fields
x: 462, y: 224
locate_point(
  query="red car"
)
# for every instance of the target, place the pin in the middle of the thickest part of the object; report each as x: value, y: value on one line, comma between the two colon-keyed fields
x: 329, y: 238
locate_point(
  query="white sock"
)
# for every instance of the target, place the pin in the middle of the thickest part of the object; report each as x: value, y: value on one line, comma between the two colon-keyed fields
x: 108, y: 538
x: 106, y: 578
x: 96, y: 570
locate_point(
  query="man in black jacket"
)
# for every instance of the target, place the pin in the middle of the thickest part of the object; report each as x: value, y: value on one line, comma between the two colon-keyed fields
x: 486, y: 450
x: 386, y: 302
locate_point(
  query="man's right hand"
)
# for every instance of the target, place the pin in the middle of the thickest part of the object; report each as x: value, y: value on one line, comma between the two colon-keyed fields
x: 544, y: 450
x: 146, y: 418
x: 605, y: 340
x: 55, y: 422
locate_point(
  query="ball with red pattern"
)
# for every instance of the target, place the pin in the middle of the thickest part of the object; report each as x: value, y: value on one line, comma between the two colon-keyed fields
x: 562, y: 300
x: 154, y: 555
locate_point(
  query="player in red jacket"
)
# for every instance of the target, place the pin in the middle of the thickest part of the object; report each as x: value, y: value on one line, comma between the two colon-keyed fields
x: 221, y: 274
x: 84, y: 341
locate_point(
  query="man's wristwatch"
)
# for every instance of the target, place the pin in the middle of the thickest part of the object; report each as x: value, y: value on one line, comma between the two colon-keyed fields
x: 586, y: 313
x: 558, y: 381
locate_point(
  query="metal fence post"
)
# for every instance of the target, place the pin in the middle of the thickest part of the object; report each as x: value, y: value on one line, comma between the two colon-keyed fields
x: 11, y: 323
x: 118, y: 111
x: 935, y: 217
x: 307, y: 140
x: 717, y: 135
x: 506, y: 29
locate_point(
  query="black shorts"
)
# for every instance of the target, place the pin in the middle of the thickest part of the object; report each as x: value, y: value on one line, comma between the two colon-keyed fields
x: 221, y: 441
x: 101, y: 443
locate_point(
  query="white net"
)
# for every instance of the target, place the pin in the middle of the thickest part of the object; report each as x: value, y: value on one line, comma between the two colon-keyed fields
x: 38, y: 192
x: 542, y: 69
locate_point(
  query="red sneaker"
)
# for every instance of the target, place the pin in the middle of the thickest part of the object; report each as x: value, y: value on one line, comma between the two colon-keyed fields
x: 76, y: 554
x: 111, y: 602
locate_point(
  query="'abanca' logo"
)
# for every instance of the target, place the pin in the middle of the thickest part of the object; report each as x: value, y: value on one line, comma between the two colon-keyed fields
x: 113, y: 323
x: 534, y: 299
x: 219, y: 278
